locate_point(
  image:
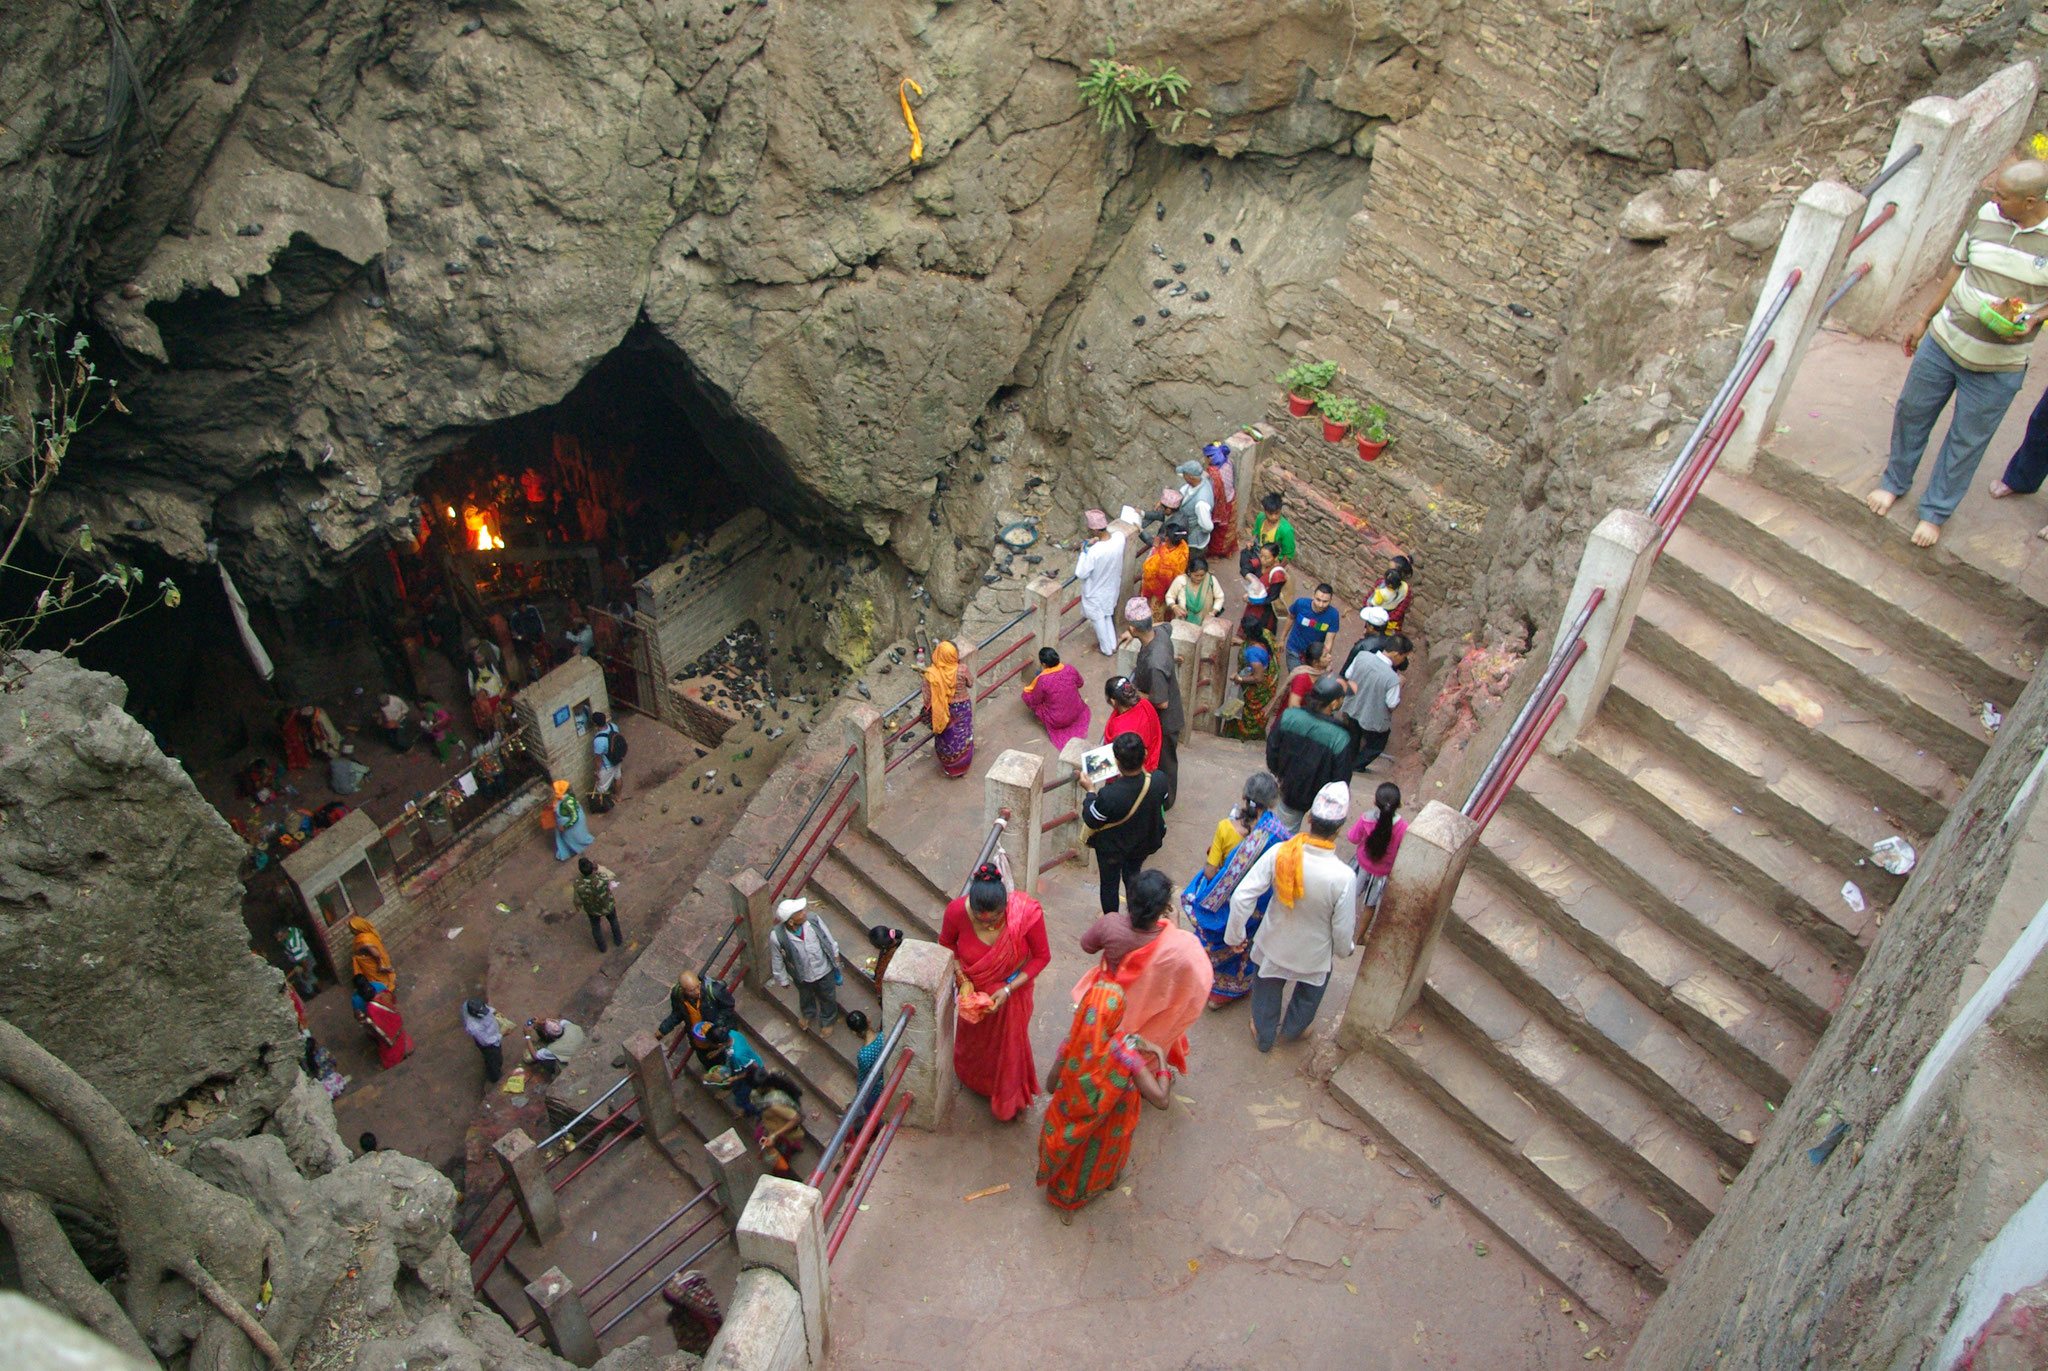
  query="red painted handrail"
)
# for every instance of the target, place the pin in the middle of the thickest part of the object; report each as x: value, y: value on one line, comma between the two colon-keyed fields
x: 812, y: 841
x: 1050, y: 824
x: 1513, y: 772
x: 845, y: 1159
x: 867, y: 1176
x: 1884, y: 216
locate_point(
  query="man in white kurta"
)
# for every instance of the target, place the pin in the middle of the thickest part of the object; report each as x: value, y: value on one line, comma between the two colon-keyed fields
x: 1298, y: 941
x: 1101, y: 573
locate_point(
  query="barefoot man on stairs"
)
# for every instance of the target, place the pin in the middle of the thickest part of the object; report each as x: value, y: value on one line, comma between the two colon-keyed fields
x: 1992, y: 304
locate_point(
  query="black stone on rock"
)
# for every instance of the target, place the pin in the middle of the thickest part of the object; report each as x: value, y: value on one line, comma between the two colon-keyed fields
x: 1138, y: 322
x: 1159, y: 210
x: 249, y: 231
x: 1180, y: 268
x: 1201, y: 297
x: 1166, y: 314
x: 1236, y: 246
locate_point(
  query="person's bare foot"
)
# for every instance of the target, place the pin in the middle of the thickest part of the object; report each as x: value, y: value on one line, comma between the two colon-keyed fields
x: 1880, y: 501
x: 1926, y: 534
x: 2043, y: 535
x: 1999, y: 490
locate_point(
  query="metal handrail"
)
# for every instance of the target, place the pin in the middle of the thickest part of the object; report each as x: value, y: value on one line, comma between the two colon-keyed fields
x: 1050, y: 824
x: 649, y: 1293
x: 597, y: 1104
x: 1884, y: 216
x: 627, y: 1284
x: 625, y: 1257
x: 812, y: 841
x: 988, y: 847
x: 1848, y: 284
x: 1491, y: 805
x: 839, y: 1135
x: 797, y: 832
x: 1007, y: 626
x: 1546, y: 684
x: 1891, y: 170
x: 873, y: 1164
x: 1750, y: 346
x: 1690, y: 488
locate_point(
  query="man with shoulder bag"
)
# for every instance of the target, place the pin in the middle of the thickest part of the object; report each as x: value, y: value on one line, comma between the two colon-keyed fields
x: 1125, y: 819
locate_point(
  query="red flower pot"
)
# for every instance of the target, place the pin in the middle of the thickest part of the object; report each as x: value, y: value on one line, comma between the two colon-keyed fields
x: 1298, y: 405
x: 1334, y: 433
x: 1369, y: 450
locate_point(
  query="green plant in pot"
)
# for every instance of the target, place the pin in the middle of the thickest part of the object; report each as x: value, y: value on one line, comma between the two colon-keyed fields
x: 1372, y: 431
x: 1304, y: 382
x: 1340, y: 414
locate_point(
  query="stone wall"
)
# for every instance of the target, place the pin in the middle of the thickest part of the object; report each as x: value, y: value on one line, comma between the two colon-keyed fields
x: 1854, y: 1261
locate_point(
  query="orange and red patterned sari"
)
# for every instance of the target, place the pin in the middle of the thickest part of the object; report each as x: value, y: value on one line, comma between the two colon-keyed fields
x: 1095, y: 1103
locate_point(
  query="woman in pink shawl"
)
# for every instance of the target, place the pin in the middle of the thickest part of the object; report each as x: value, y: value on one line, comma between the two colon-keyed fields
x: 998, y: 937
x: 1165, y: 974
x: 1054, y: 695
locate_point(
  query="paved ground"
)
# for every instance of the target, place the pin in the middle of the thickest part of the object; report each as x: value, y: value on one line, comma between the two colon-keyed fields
x: 1836, y: 424
x: 536, y: 959
x: 1260, y: 1226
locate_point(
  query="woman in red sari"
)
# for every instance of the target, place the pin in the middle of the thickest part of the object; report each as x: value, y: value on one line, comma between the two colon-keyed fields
x: 1130, y: 712
x: 378, y: 1013
x: 999, y: 938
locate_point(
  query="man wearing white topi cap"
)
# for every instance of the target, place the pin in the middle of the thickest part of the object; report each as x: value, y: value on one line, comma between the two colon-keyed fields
x: 804, y: 949
x: 1308, y: 923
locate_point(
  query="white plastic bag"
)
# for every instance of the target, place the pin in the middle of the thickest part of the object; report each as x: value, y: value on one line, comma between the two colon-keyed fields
x: 1852, y: 896
x: 1894, y: 854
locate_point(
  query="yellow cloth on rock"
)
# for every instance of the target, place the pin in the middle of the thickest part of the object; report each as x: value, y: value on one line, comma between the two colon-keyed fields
x: 1287, y: 862
x: 941, y: 678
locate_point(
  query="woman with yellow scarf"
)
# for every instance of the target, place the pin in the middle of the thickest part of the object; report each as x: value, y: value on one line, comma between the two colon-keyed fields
x: 949, y: 709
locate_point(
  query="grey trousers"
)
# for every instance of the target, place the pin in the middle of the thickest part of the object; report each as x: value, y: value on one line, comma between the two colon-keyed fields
x: 818, y: 1001
x: 1267, y: 1017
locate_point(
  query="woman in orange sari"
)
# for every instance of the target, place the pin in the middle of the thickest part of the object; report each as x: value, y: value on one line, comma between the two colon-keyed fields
x: 949, y: 710
x: 1163, y: 565
x: 998, y: 937
x: 369, y: 957
x: 1127, y: 1042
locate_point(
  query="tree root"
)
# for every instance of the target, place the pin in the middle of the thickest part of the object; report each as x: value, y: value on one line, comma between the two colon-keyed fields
x: 170, y: 1222
x: 52, y: 1273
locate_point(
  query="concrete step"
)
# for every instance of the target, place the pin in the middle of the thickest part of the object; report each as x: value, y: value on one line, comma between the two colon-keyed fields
x: 918, y: 903
x: 1658, y: 1155
x: 1843, y: 512
x: 1946, y: 630
x: 770, y: 1023
x: 1835, y: 735
x: 1924, y: 704
x: 1769, y: 780
x: 1751, y: 1036
x: 1406, y: 1119
x: 1700, y: 820
x: 1567, y: 1174
x: 1492, y: 927
x: 1805, y: 977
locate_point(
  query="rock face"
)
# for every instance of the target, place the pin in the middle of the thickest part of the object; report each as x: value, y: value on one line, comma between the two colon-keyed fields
x: 120, y: 914
x: 373, y: 226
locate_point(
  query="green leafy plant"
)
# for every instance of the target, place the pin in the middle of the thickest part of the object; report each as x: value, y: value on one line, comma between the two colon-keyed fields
x: 1308, y: 378
x: 50, y: 391
x: 1373, y: 427
x: 1339, y: 409
x: 1120, y: 93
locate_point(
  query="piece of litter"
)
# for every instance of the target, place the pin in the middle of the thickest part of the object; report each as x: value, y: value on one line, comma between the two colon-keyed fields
x: 1988, y: 715
x: 1736, y: 808
x: 1852, y: 896
x: 515, y: 1084
x: 593, y: 1235
x: 1345, y: 1260
x: 1183, y: 1099
x: 1479, y: 1249
x: 1194, y: 1265
x: 983, y: 1194
x: 502, y: 907
x: 536, y: 968
x: 863, y: 1209
x: 1894, y: 854
x: 1581, y: 1325
x: 456, y: 932
x: 1564, y: 1305
x: 1352, y: 1288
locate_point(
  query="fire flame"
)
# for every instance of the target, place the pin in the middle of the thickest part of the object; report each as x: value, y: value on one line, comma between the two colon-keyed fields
x: 486, y: 540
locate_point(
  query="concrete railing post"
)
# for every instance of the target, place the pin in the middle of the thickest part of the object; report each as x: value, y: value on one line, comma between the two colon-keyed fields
x: 921, y: 975
x: 782, y: 1230
x: 754, y: 907
x: 1816, y: 241
x: 1412, y: 911
x: 1043, y: 595
x: 970, y: 662
x: 648, y: 1067
x: 1016, y: 782
x: 735, y: 1171
x: 564, y: 1322
x: 527, y: 1178
x: 1245, y: 452
x: 1069, y: 839
x: 868, y: 739
x: 1618, y: 558
x: 1187, y: 667
x: 1962, y: 142
x: 1213, y: 688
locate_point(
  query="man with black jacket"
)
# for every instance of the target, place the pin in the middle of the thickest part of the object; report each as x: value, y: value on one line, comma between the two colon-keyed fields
x: 1125, y: 819
x: 1309, y: 748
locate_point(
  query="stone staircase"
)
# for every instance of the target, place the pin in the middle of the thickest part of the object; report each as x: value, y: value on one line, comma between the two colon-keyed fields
x: 1652, y: 934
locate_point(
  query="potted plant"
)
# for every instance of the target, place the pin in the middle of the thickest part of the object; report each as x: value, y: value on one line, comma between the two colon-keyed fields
x: 1304, y: 382
x: 1372, y: 431
x: 1340, y: 413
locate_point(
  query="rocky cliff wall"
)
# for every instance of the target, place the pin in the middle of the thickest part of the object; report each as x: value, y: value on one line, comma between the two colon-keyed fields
x: 121, y: 916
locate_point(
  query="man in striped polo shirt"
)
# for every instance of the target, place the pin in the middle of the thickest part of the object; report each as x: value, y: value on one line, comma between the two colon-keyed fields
x: 1980, y: 347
